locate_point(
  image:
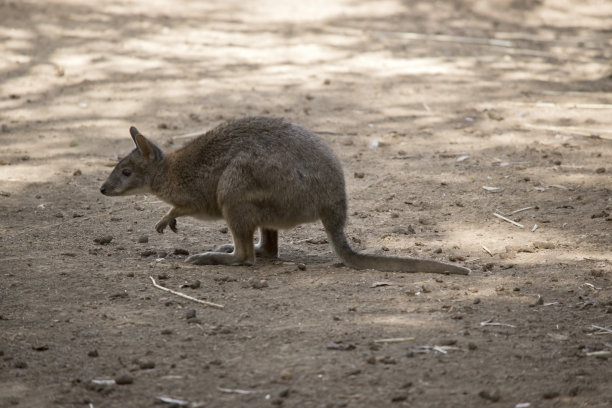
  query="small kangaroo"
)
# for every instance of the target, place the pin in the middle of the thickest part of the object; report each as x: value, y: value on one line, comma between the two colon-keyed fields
x: 255, y: 172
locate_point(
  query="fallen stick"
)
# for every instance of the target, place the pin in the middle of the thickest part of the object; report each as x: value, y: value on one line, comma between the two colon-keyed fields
x: 487, y: 250
x: 508, y: 220
x: 520, y: 210
x: 174, y: 292
x: 603, y: 330
x: 394, y: 340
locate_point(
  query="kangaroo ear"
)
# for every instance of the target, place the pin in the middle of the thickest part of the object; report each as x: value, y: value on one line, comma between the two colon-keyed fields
x: 148, y: 149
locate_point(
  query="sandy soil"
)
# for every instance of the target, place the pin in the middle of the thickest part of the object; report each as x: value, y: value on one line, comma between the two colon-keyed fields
x: 442, y: 113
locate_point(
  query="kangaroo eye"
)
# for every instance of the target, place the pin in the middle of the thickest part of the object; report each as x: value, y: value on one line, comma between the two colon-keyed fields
x: 126, y: 172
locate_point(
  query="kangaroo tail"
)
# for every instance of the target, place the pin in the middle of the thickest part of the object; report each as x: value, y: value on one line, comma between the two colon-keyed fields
x: 353, y: 259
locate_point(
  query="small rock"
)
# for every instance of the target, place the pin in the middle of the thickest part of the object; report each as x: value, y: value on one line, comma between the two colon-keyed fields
x: 472, y: 346
x: 544, y: 245
x: 20, y: 364
x: 162, y: 126
x: 456, y: 258
x: 448, y: 342
x: 284, y: 393
x: 103, y: 240
x: 437, y: 251
x: 301, y: 266
x: 167, y: 332
x: 399, y: 398
x: 476, y: 301
x: 146, y: 365
x: 41, y: 347
x: 359, y: 174
x: 147, y: 253
x: 77, y: 172
x: 493, y: 397
x: 399, y: 229
x: 162, y: 254
x: 93, y: 353
x: 550, y: 395
x: 259, y: 284
x: 163, y: 276
x: 124, y: 379
x: 181, y: 251
x: 143, y: 239
x: 224, y: 230
x: 286, y: 375
x: 191, y: 313
x: 600, y: 170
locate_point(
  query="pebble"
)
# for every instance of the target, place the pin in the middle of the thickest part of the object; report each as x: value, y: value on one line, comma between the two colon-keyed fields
x: 223, y: 230
x: 550, y: 395
x: 20, y: 364
x: 146, y: 365
x: 286, y: 375
x: 181, y: 251
x: 93, y: 353
x: 437, y: 251
x: 472, y: 346
x: 103, y: 240
x: 124, y: 379
x: 143, y: 239
x: 301, y: 266
x: 494, y: 397
x: 284, y: 393
x: 399, y: 229
x: 163, y: 276
x: 77, y: 172
x: 259, y: 284
x: 476, y: 301
x: 147, y: 253
x: 600, y: 170
x: 191, y: 313
x: 359, y: 174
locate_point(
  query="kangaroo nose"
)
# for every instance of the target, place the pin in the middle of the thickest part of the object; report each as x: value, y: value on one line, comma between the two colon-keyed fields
x: 103, y: 190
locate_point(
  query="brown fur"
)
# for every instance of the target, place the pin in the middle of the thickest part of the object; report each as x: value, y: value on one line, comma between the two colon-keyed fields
x: 256, y: 173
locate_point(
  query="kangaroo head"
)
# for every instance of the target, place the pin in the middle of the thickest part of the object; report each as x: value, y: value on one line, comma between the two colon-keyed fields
x: 134, y: 174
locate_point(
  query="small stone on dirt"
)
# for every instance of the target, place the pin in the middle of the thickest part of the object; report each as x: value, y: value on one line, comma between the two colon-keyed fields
x: 147, y: 253
x: 163, y: 276
x: 400, y: 229
x: 146, y: 365
x: 77, y: 172
x: 301, y: 266
x: 286, y: 375
x: 600, y: 170
x: 103, y: 240
x: 180, y: 251
x: 284, y: 393
x: 399, y: 398
x: 223, y: 230
x: 191, y: 313
x: 493, y: 397
x: 359, y: 174
x: 40, y: 347
x: 93, y: 353
x: 259, y: 284
x: 124, y: 379
x: 143, y: 239
x: 550, y: 395
x: 20, y: 364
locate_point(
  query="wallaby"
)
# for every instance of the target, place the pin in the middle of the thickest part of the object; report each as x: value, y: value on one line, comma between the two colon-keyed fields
x: 254, y: 172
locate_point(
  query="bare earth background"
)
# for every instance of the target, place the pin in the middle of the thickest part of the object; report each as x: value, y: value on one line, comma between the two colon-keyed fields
x: 424, y: 102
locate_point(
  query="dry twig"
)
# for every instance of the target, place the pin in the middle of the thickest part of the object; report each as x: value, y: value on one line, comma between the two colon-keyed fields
x: 174, y: 292
x: 508, y: 220
x: 394, y: 340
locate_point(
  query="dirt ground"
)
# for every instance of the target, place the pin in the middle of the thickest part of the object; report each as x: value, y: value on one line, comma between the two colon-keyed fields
x: 442, y: 114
